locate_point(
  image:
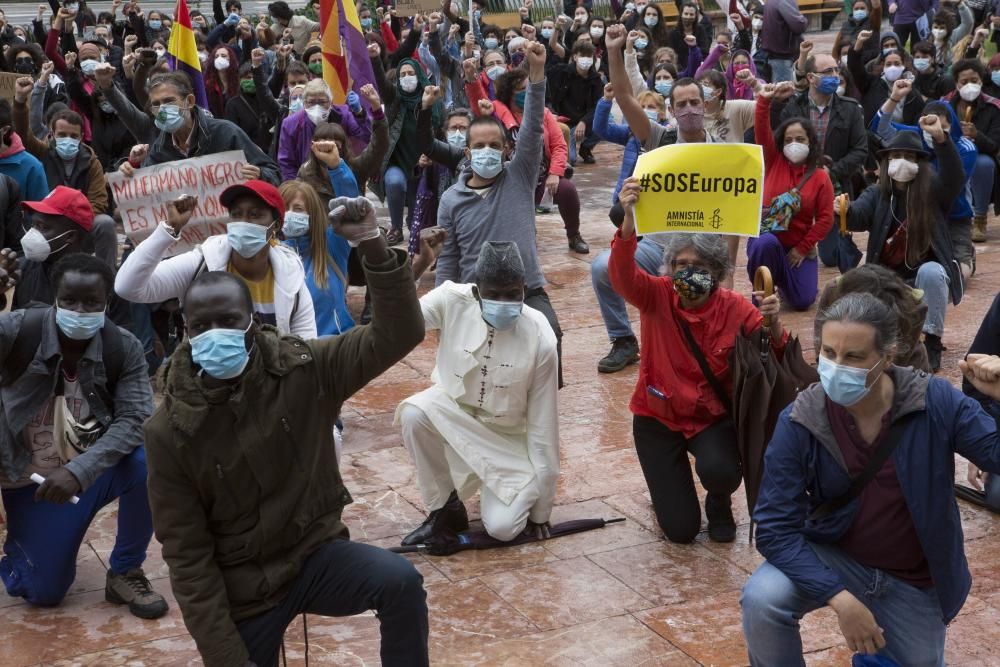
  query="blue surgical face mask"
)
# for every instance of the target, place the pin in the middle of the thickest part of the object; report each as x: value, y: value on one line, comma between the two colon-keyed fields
x: 295, y: 105
x: 653, y: 115
x: 246, y: 238
x: 663, y: 87
x: 641, y: 44
x: 828, y: 85
x: 519, y: 98
x: 708, y: 92
x: 845, y: 385
x: 487, y: 162
x: 170, y: 118
x: 67, y: 147
x: 501, y: 314
x: 366, y: 23
x: 995, y: 78
x: 491, y: 42
x: 457, y: 138
x: 88, y: 67
x: 222, y: 353
x: 547, y: 33
x: 296, y: 224
x: 921, y: 64
x: 495, y: 72
x: 155, y: 24
x: 860, y: 14
x: 79, y: 326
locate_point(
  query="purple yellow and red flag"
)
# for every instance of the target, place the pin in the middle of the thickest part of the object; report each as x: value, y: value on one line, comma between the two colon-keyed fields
x: 345, y: 52
x: 182, y: 52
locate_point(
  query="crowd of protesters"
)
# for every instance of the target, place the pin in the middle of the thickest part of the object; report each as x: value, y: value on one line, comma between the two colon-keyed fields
x: 466, y: 131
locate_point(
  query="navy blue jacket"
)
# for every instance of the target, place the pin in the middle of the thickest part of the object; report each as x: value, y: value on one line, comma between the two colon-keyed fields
x: 803, y: 468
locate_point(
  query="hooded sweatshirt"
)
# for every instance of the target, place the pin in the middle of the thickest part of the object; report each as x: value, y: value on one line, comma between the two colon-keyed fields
x: 24, y: 168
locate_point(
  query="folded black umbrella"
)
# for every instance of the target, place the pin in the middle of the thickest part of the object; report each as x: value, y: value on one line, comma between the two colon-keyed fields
x: 973, y: 496
x: 450, y: 542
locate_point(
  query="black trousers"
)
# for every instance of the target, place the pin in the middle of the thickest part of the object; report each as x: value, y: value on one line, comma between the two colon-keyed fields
x: 663, y: 455
x: 539, y: 300
x: 345, y: 578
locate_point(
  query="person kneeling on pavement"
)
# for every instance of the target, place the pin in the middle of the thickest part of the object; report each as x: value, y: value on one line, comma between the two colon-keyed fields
x: 491, y: 418
x: 857, y: 507
x: 688, y: 323
x: 74, y: 396
x: 243, y: 477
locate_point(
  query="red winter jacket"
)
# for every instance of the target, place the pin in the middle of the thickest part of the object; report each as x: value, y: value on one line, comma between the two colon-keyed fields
x: 814, y: 219
x: 665, y: 361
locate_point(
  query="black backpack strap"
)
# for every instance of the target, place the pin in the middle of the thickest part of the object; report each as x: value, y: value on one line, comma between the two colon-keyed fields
x: 871, y: 469
x: 25, y: 345
x: 805, y: 179
x: 717, y: 387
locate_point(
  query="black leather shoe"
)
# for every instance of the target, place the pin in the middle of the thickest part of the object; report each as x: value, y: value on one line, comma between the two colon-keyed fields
x: 624, y: 351
x: 719, y: 511
x: 934, y: 349
x: 578, y: 245
x: 451, y: 517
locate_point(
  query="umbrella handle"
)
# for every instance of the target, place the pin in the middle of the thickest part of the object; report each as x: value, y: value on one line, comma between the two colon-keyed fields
x: 762, y: 282
x: 845, y: 203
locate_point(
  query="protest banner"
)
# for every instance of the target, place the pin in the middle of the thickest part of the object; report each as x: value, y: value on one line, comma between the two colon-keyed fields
x: 414, y: 7
x: 705, y: 188
x: 142, y: 199
x: 7, y: 80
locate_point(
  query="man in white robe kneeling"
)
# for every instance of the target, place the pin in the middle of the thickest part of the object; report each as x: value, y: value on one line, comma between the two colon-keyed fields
x: 490, y: 420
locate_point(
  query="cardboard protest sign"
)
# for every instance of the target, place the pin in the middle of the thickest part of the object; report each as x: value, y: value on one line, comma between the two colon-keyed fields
x: 143, y: 198
x: 703, y: 188
x: 413, y: 7
x: 7, y: 80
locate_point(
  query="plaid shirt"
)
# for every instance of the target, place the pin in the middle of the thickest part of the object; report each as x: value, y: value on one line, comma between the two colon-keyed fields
x: 820, y: 118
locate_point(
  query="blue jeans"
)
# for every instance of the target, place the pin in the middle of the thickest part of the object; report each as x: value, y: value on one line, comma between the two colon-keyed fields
x: 344, y: 578
x: 397, y: 194
x: 587, y: 145
x: 933, y: 280
x: 649, y: 257
x: 798, y: 285
x: 982, y: 184
x: 781, y: 70
x: 43, y: 539
x: 910, y: 617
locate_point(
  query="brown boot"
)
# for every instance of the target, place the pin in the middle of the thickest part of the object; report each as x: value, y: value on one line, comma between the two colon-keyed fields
x: 979, y: 229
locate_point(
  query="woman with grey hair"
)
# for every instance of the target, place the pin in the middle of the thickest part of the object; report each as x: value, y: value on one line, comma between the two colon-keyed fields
x: 857, y: 507
x: 688, y: 323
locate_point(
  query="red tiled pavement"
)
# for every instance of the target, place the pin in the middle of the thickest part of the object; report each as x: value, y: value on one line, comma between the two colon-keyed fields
x: 619, y: 596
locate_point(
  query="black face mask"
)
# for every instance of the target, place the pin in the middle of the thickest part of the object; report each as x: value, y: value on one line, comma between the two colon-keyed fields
x: 24, y: 66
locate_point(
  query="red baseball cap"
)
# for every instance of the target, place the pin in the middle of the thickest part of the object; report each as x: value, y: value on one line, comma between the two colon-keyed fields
x: 260, y: 189
x: 66, y: 202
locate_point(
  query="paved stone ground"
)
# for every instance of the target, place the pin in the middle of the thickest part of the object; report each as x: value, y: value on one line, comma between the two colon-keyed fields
x: 617, y: 596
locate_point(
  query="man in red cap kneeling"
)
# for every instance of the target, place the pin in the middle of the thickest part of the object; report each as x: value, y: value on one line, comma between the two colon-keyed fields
x: 249, y: 250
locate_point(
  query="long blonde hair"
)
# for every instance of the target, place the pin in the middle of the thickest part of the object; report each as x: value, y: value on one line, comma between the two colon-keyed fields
x: 317, y: 226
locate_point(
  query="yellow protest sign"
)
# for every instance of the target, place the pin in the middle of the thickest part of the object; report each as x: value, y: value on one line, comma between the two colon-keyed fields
x: 704, y: 188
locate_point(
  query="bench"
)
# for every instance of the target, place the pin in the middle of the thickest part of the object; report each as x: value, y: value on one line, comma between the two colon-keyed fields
x: 818, y: 12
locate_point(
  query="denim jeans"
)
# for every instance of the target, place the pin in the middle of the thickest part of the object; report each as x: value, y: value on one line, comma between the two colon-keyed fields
x: 344, y: 578
x: 43, y: 539
x: 933, y: 280
x: 649, y: 257
x: 910, y: 617
x: 982, y: 184
x: 586, y: 146
x: 397, y: 194
x: 781, y: 70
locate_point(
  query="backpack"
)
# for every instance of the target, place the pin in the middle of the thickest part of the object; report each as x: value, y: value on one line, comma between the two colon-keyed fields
x: 25, y: 345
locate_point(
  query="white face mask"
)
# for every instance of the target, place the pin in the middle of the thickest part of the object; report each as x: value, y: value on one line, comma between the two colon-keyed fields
x: 408, y: 83
x: 841, y: 90
x: 902, y: 170
x: 597, y: 33
x: 796, y: 152
x: 317, y: 113
x: 892, y: 72
x: 970, y: 91
x: 584, y: 64
x: 221, y: 63
x: 757, y: 24
x: 36, y: 247
x: 939, y: 33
